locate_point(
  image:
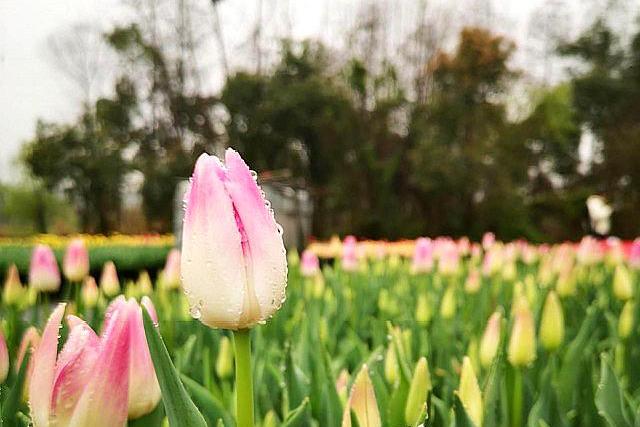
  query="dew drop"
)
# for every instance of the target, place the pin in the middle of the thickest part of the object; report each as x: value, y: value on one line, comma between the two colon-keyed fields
x: 254, y: 175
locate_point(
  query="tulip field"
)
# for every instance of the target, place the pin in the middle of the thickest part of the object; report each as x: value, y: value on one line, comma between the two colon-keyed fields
x: 430, y: 332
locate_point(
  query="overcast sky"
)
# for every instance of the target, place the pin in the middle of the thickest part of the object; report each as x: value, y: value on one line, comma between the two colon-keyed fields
x: 31, y: 87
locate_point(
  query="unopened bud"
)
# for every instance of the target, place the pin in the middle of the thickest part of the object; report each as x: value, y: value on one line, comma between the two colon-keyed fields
x: 552, y: 323
x: 417, y: 397
x: 625, y: 324
x: 391, y: 369
x: 469, y: 392
x: 490, y: 339
x: 522, y: 343
x: 224, y: 362
x: 622, y: 284
x: 448, y: 304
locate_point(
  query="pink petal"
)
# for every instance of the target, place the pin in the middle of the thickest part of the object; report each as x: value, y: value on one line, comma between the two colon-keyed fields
x: 211, y: 262
x: 74, y: 369
x: 151, y: 309
x: 104, y: 400
x: 144, y: 390
x: 44, y: 363
x: 262, y: 244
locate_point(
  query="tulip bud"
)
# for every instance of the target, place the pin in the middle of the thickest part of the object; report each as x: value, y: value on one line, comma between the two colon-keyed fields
x: 310, y: 264
x: 4, y: 359
x: 469, y: 392
x: 90, y: 292
x: 622, y: 284
x: 448, y: 304
x: 75, y: 264
x: 145, y: 287
x: 341, y: 385
x: 171, y: 271
x: 318, y: 285
x: 233, y: 262
x: 423, y: 310
x: 472, y: 284
x: 522, y: 343
x: 109, y: 279
x: 422, y: 256
x: 416, y: 405
x: 350, y: 254
x: 224, y: 362
x: 566, y: 284
x: 490, y: 340
x: 391, y: 368
x: 552, y: 323
x: 44, y: 274
x: 362, y: 401
x: 13, y: 290
x: 625, y: 324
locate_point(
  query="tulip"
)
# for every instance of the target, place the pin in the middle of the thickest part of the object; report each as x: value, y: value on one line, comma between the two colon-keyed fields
x: 391, y: 368
x: 144, y: 283
x: 423, y: 309
x: 233, y: 258
x: 422, y: 256
x: 44, y: 274
x: 622, y: 284
x: 310, y: 264
x: 448, y: 304
x: 625, y: 324
x: 109, y: 279
x: 634, y: 254
x: 552, y: 323
x: 171, y: 272
x: 4, y: 359
x: 488, y: 239
x: 522, y: 343
x: 416, y: 405
x: 13, y: 290
x: 75, y: 264
x: 341, y: 385
x: 472, y: 284
x: 362, y: 401
x: 350, y: 254
x: 469, y: 392
x: 234, y: 264
x: 87, y: 383
x: 490, y: 340
x: 224, y: 362
x: 90, y: 292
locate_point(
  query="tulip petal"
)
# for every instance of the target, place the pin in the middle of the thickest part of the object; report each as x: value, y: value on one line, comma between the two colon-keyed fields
x: 44, y: 363
x: 144, y: 390
x: 263, y: 248
x: 104, y: 400
x: 74, y: 369
x: 211, y: 250
x: 362, y: 402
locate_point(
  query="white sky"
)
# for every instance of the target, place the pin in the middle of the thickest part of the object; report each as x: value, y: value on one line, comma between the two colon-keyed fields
x: 31, y: 87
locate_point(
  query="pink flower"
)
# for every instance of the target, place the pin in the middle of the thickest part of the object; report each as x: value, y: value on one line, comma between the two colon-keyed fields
x: 310, y: 264
x: 75, y: 263
x: 171, y: 272
x: 350, y: 254
x: 4, y: 359
x: 634, y: 254
x: 422, y: 256
x: 93, y: 379
x: 44, y: 274
x: 234, y: 264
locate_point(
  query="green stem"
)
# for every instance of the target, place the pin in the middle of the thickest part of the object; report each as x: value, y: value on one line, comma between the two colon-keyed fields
x: 516, y: 405
x: 244, y: 380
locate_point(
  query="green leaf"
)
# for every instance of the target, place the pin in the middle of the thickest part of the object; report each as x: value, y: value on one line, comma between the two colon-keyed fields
x: 152, y: 419
x: 179, y: 408
x: 609, y: 397
x: 212, y: 409
x: 11, y: 406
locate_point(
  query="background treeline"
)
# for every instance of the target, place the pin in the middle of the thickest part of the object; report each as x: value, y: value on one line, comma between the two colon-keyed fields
x: 455, y: 141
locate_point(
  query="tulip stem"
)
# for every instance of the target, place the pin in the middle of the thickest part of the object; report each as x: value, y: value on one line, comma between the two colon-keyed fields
x: 516, y: 414
x: 244, y: 380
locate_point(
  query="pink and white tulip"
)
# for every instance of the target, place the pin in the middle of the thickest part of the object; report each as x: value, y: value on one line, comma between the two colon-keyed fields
x: 309, y: 264
x: 44, y: 274
x: 4, y: 359
x: 350, y: 254
x: 234, y: 265
x: 75, y: 264
x: 422, y: 256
